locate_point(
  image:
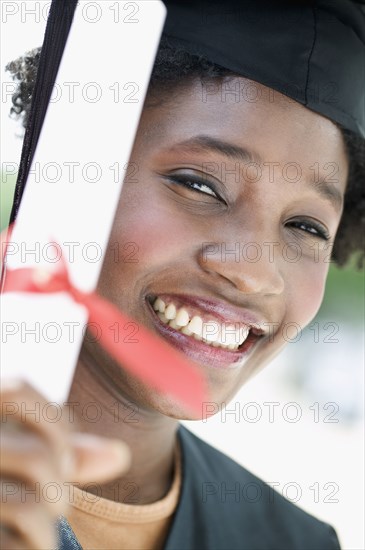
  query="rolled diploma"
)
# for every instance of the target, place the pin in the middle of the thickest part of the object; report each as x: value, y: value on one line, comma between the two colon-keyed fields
x: 74, y: 184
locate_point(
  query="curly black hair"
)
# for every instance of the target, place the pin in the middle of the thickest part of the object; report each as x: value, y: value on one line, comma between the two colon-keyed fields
x: 175, y: 68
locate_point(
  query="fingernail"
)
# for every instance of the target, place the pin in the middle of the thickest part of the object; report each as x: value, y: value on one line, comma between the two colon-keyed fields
x: 67, y: 463
x: 122, y: 451
x: 90, y: 441
x: 10, y: 384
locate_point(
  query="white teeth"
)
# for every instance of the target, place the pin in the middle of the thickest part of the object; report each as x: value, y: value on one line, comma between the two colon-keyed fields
x: 230, y: 335
x: 182, y: 318
x: 159, y: 305
x: 211, y: 332
x: 163, y: 318
x: 196, y: 325
x: 187, y: 331
x: 170, y: 311
x: 173, y: 324
x: 244, y: 332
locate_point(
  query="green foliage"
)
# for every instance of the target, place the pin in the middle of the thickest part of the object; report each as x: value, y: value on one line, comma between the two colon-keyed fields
x: 345, y: 294
x: 6, y: 199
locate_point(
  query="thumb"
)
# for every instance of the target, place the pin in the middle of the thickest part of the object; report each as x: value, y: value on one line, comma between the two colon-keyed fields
x: 95, y: 458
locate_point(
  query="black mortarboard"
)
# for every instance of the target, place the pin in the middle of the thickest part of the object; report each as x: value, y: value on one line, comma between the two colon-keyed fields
x: 310, y: 50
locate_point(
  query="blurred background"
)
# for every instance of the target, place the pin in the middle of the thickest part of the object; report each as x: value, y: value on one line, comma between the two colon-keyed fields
x: 299, y: 424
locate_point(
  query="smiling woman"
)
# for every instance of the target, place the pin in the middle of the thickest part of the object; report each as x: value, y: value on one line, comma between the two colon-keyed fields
x: 237, y: 203
x: 277, y: 217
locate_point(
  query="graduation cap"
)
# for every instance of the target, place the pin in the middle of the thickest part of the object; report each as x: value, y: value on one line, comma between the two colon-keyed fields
x: 312, y: 51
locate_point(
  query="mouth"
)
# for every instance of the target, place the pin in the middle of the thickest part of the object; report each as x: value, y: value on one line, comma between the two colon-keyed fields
x: 202, y: 331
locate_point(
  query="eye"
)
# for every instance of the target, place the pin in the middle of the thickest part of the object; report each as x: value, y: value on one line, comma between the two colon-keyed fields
x: 313, y: 228
x: 195, y: 183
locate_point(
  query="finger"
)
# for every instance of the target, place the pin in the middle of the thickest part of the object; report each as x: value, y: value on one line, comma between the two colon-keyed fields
x: 96, y: 459
x: 32, y: 524
x: 10, y: 539
x: 52, y: 495
x: 29, y: 457
x: 92, y: 458
x: 21, y: 408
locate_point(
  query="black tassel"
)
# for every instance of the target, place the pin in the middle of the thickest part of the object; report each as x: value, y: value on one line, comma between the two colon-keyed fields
x: 58, y: 26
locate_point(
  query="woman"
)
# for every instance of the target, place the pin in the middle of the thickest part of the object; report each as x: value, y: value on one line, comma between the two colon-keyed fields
x: 213, y: 179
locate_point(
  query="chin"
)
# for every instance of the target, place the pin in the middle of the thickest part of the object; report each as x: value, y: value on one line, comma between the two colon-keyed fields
x: 168, y: 406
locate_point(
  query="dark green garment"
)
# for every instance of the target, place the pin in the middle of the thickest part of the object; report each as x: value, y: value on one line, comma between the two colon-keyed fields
x: 222, y: 506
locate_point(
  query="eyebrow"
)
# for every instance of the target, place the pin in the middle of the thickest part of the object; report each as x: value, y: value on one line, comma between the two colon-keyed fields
x: 330, y: 193
x: 210, y: 144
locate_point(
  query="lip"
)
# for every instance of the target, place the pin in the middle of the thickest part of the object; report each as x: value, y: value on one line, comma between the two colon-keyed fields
x: 203, y: 353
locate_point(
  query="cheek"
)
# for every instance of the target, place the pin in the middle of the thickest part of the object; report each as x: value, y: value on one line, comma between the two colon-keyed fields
x: 305, y: 290
x: 156, y: 236
x: 147, y: 236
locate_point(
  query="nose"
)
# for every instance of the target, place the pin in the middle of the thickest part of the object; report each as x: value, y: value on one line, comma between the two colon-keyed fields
x: 251, y: 267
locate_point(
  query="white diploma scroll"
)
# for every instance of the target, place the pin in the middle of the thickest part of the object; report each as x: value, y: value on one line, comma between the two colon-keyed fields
x: 74, y: 184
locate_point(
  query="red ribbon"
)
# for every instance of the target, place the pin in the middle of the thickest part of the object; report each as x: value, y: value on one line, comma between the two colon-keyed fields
x: 150, y: 358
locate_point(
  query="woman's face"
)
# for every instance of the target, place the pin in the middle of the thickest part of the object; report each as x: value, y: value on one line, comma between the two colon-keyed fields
x: 224, y: 213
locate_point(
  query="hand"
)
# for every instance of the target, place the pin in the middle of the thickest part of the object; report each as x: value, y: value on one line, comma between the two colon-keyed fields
x: 36, y: 454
